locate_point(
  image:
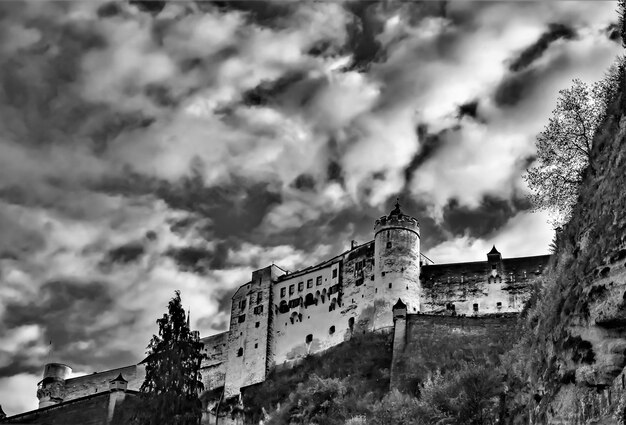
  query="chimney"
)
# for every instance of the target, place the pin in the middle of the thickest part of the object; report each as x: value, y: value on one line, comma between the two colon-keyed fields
x: 353, y: 244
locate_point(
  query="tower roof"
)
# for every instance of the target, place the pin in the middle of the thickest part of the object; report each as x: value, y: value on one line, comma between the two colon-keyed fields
x: 493, y: 251
x: 399, y: 304
x: 119, y: 378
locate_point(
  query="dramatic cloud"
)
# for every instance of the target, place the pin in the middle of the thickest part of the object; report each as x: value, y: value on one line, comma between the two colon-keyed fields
x: 152, y: 146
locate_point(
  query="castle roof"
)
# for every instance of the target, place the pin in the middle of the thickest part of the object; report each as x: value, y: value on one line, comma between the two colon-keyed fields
x: 399, y: 305
x: 119, y: 378
x: 493, y: 251
x: 516, y: 266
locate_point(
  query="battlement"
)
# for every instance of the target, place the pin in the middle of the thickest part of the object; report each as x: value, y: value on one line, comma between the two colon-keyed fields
x: 396, y: 219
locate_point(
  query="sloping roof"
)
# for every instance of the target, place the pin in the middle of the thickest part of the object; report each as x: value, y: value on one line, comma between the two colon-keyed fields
x: 516, y: 266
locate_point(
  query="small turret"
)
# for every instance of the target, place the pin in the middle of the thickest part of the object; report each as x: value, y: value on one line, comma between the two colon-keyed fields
x: 118, y: 384
x: 494, y: 255
x: 399, y: 310
x: 51, y: 389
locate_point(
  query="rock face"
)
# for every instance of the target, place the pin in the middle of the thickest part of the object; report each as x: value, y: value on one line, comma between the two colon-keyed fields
x: 580, y: 321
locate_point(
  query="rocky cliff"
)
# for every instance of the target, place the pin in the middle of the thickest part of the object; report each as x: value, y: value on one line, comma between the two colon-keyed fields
x: 576, y: 331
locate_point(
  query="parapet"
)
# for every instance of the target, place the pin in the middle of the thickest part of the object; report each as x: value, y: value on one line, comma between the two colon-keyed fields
x: 396, y: 219
x: 56, y: 371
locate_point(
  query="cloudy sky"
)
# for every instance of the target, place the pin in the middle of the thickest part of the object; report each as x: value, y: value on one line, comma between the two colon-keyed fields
x: 151, y: 147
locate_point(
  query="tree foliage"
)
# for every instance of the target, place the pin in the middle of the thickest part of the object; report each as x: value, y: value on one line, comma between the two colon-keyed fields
x: 173, y: 380
x: 564, y: 146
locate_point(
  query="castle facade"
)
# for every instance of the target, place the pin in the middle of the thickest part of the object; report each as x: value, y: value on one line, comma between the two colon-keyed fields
x: 279, y: 317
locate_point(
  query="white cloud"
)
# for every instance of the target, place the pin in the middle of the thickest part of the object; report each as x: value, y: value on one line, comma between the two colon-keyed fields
x: 17, y: 393
x: 525, y: 234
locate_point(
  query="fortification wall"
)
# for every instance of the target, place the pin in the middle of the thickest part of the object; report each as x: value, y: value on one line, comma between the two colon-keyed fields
x: 307, y: 306
x: 480, y: 288
x: 99, y: 381
x: 438, y: 342
x: 247, y: 346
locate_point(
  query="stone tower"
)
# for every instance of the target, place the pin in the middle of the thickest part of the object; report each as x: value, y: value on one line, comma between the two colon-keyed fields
x: 396, y: 265
x: 51, y: 389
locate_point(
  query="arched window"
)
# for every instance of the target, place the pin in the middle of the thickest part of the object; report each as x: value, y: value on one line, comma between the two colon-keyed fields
x: 351, y: 323
x: 283, y: 307
x: 309, y: 338
x: 240, y: 352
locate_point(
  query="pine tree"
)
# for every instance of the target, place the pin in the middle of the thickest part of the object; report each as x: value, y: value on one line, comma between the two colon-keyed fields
x: 173, y: 382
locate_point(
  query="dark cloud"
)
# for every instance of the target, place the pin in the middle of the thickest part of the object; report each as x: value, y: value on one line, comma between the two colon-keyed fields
x: 125, y: 254
x: 491, y: 215
x: 515, y: 87
x: 71, y: 312
x: 269, y: 13
x: 304, y: 182
x: 151, y: 6
x: 429, y: 145
x: 533, y: 52
x: 200, y: 260
x: 469, y: 109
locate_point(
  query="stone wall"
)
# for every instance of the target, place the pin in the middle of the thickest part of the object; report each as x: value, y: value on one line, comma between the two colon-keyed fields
x: 435, y: 342
x: 104, y: 408
x: 247, y: 346
x: 479, y: 288
x: 99, y: 381
x: 307, y: 305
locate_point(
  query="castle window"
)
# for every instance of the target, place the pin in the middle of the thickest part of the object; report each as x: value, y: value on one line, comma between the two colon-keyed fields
x: 309, y: 283
x: 256, y: 345
x: 383, y: 273
x: 242, y: 318
x: 334, y: 273
x: 284, y: 307
x: 389, y: 285
x: 318, y: 281
x: 295, y: 303
x: 258, y: 309
x: 300, y: 317
x: 292, y: 289
x: 376, y: 290
x: 309, y: 338
x: 475, y: 308
x: 351, y: 323
x: 242, y: 304
x: 498, y: 305
x: 259, y: 297
x: 331, y: 330
x: 257, y: 324
x: 333, y: 289
x: 359, y: 281
x: 388, y: 245
x: 240, y: 352
x: 300, y: 286
x: 282, y: 292
x: 331, y: 307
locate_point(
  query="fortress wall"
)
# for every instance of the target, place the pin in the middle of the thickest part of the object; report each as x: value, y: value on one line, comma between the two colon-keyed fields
x: 213, y: 368
x: 293, y: 325
x: 358, y: 286
x: 247, y: 348
x: 504, y: 289
x: 99, y: 381
x: 439, y: 342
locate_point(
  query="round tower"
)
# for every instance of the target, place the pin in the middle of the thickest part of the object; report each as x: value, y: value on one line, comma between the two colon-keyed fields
x: 51, y: 389
x: 396, y: 265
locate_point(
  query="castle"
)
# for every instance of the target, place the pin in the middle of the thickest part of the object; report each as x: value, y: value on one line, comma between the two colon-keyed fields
x: 279, y: 317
